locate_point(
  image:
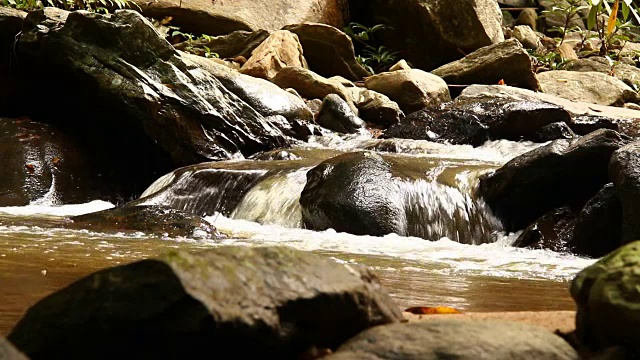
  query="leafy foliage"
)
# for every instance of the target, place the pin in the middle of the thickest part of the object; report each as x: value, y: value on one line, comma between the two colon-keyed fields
x: 102, y: 6
x: 194, y: 44
x: 372, y: 57
x: 568, y: 10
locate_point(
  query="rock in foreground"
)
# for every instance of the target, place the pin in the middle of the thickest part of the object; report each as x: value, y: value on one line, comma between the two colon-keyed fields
x: 250, y: 302
x: 442, y: 339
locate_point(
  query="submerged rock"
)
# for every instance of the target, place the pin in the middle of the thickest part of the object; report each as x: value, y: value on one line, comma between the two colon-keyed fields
x: 278, y: 300
x: 336, y: 115
x: 564, y: 172
x: 591, y: 87
x: 506, y: 61
x: 552, y: 231
x: 598, y: 226
x: 607, y: 296
x: 151, y: 220
x: 328, y: 50
x: 412, y: 89
x: 440, y: 339
x: 281, y: 49
x: 41, y: 164
x: 624, y: 171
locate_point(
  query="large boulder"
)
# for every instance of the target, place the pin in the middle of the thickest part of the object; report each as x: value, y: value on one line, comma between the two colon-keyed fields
x: 279, y: 300
x: 145, y: 101
x: 624, y: 171
x: 9, y: 352
x: 412, y: 89
x: 152, y: 220
x: 336, y: 115
x: 220, y: 17
x: 374, y: 107
x: 586, y: 117
x: 564, y: 172
x: 507, y: 61
x: 281, y: 49
x: 429, y: 33
x: 265, y: 97
x: 630, y: 75
x: 591, y: 87
x: 328, y: 50
x: 552, y: 231
x: 598, y: 226
x: 440, y: 339
x: 606, y: 295
x: 40, y: 164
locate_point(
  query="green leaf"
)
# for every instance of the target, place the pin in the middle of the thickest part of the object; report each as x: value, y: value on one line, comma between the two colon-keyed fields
x: 591, y: 18
x: 625, y: 11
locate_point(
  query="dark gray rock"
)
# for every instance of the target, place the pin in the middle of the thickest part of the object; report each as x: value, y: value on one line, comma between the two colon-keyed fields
x: 624, y: 171
x: 564, y: 172
x: 584, y: 124
x: 553, y: 231
x: 553, y: 131
x: 10, y: 25
x: 251, y: 302
x: 151, y: 220
x: 236, y: 43
x: 335, y: 114
x: 598, y: 226
x: 443, y: 339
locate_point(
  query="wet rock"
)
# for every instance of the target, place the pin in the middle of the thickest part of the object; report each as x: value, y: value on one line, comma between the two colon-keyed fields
x: 507, y: 61
x: 336, y: 115
x: 606, y: 295
x: 586, y: 117
x: 275, y: 155
x: 328, y: 50
x: 9, y: 352
x: 440, y: 339
x: 140, y: 91
x: 473, y: 24
x: 592, y: 87
x: 527, y: 37
x: 281, y: 49
x: 624, y: 171
x: 412, y: 89
x: 41, y: 164
x: 376, y: 108
x: 279, y: 300
x: 552, y: 231
x: 569, y: 171
x: 237, y: 43
x: 553, y: 131
x: 151, y: 220
x: 311, y: 85
x: 265, y: 97
x: 598, y: 227
x: 220, y: 17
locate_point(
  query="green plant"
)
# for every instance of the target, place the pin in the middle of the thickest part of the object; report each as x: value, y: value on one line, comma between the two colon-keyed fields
x: 549, y: 60
x: 619, y: 25
x: 568, y: 10
x: 373, y: 57
x: 102, y: 6
x: 194, y: 44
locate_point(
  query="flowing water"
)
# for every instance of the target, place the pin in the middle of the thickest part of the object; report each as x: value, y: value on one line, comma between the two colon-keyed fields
x: 467, y: 263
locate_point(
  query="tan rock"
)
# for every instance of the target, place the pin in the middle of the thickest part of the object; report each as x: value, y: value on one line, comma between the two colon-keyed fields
x: 528, y: 17
x: 527, y: 37
x: 279, y: 50
x: 591, y: 87
x: 412, y: 89
x: 566, y: 52
x: 400, y: 65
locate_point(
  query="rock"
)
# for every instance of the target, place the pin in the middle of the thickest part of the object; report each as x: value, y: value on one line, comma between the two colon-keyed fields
x: 606, y: 295
x: 508, y: 21
x: 569, y: 171
x: 42, y: 165
x: 10, y: 25
x: 9, y: 352
x: 528, y: 17
x: 631, y: 106
x: 553, y: 131
x: 376, y: 108
x: 516, y: 3
x: 506, y: 61
x: 311, y: 85
x: 552, y: 21
x: 237, y: 43
x: 474, y: 24
x: 328, y: 50
x: 598, y: 227
x: 279, y: 50
x: 279, y: 300
x: 566, y: 52
x: 336, y: 115
x: 439, y: 339
x: 275, y: 155
x: 342, y: 81
x: 152, y: 220
x: 586, y: 117
x: 412, y: 89
x: 263, y: 96
x: 592, y: 87
x: 139, y: 90
x: 624, y: 171
x: 630, y: 75
x: 400, y: 65
x: 527, y: 37
x: 553, y: 231
x: 221, y: 17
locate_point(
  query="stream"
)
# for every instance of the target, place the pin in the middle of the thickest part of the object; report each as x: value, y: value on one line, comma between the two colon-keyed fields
x: 457, y: 266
